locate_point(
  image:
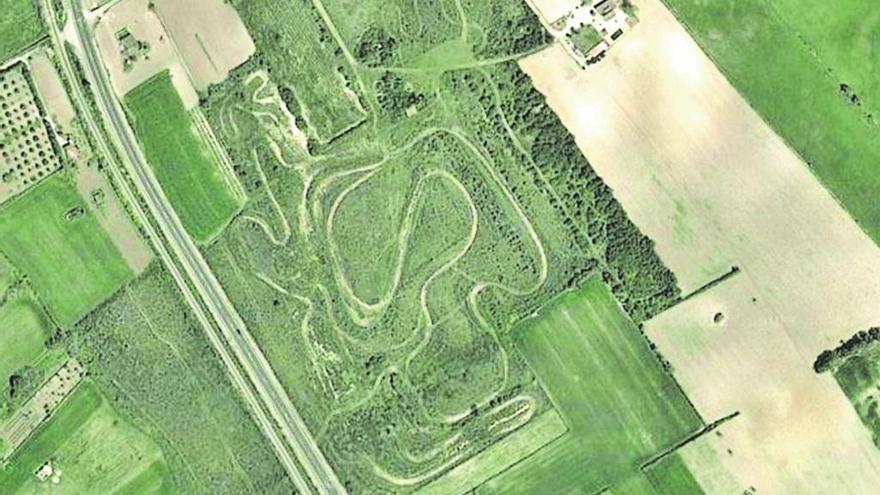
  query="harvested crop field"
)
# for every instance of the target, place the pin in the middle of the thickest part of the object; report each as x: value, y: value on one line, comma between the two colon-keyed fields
x: 809, y: 68
x: 710, y: 182
x: 209, y: 37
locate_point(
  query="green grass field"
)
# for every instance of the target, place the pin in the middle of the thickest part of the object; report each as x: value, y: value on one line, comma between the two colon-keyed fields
x: 619, y: 403
x: 636, y: 484
x: 72, y: 263
x: 186, y: 169
x: 23, y: 329
x: 585, y: 38
x: 789, y: 64
x: 95, y: 449
x: 20, y: 25
x: 670, y: 476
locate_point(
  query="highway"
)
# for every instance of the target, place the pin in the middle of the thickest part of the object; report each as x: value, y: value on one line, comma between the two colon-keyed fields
x: 235, y: 336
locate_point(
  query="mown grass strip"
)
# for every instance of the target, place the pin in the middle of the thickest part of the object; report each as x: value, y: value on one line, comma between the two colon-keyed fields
x: 483, y: 466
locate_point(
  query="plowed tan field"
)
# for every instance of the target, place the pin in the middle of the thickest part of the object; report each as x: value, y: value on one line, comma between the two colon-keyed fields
x: 699, y: 172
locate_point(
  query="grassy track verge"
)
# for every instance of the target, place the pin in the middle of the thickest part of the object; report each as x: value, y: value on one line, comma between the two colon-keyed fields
x: 69, y: 259
x: 483, y: 466
x: 790, y: 68
x: 600, y: 373
x: 184, y: 165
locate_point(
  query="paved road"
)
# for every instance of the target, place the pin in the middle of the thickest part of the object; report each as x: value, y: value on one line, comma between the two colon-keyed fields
x: 264, y: 422
x: 234, y: 331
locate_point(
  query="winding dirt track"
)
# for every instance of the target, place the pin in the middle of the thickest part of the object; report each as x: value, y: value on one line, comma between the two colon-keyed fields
x: 362, y: 311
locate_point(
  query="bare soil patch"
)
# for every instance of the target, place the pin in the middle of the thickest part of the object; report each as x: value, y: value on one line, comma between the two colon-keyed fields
x: 51, y: 91
x: 700, y: 173
x: 145, y: 26
x: 97, y: 191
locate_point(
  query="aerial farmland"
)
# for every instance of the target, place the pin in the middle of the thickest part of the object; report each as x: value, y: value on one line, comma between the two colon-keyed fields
x: 606, y: 247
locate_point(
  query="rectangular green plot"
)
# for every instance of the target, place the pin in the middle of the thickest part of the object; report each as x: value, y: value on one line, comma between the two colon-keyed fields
x: 23, y: 329
x: 619, y: 403
x: 636, y: 484
x: 519, y: 445
x: 670, y: 476
x: 316, y: 81
x: 790, y: 64
x: 91, y: 449
x: 71, y: 262
x: 20, y: 25
x: 187, y: 170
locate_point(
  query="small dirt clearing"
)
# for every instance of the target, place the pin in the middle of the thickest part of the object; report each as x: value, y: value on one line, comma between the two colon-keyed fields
x: 709, y: 181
